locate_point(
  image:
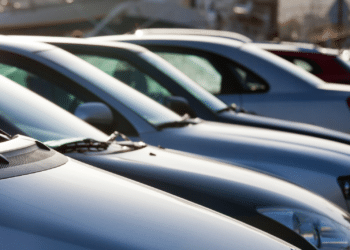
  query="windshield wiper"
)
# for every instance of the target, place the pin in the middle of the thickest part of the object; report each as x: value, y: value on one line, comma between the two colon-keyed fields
x: 185, y: 121
x: 4, y: 136
x: 79, y: 146
x: 91, y: 145
x: 235, y: 108
x: 127, y: 142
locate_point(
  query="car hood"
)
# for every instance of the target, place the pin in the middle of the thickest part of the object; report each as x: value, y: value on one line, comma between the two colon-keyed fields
x: 258, y: 148
x: 81, y: 206
x: 283, y: 125
x: 246, y: 189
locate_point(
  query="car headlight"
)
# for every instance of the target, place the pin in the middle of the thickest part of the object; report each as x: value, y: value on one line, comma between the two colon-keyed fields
x: 320, y: 231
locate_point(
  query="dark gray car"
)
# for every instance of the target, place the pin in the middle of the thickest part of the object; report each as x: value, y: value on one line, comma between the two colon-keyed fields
x: 49, y: 201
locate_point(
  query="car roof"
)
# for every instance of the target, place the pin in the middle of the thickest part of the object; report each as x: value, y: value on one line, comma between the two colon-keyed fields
x: 220, y: 46
x: 8, y: 42
x: 200, y: 32
x: 297, y: 47
x: 80, y: 41
x: 182, y: 38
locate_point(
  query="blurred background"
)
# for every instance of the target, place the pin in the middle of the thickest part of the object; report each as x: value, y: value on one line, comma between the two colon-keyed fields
x: 324, y: 22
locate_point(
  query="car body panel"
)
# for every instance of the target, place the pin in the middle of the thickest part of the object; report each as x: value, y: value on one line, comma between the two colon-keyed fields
x: 197, y: 32
x: 288, y: 162
x: 91, y: 216
x: 321, y: 109
x: 216, y: 179
x: 77, y: 206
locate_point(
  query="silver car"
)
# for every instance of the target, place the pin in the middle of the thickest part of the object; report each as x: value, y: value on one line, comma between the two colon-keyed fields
x: 253, y: 78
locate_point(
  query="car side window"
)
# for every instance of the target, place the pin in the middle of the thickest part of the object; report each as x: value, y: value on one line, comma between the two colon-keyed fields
x: 199, y: 69
x: 216, y: 74
x: 248, y: 80
x: 56, y: 87
x: 15, y: 74
x: 305, y: 63
x: 43, y: 87
x: 130, y: 75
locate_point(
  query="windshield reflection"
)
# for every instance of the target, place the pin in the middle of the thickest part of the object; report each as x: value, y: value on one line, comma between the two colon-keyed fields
x: 40, y: 118
x: 150, y: 110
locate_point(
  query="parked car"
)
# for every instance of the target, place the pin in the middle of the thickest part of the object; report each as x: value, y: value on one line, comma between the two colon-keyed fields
x: 49, y: 201
x: 324, y: 63
x: 331, y: 65
x: 154, y: 77
x: 254, y: 79
x: 71, y: 82
x: 198, y: 32
x: 254, y: 198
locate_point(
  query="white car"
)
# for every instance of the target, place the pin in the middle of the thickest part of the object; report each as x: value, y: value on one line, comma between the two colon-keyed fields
x: 254, y: 79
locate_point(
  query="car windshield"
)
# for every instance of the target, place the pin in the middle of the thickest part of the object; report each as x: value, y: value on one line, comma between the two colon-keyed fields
x: 153, y: 112
x: 194, y: 89
x: 39, y: 118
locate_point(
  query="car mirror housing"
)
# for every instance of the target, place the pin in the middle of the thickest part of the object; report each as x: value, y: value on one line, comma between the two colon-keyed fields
x: 96, y: 113
x: 179, y: 105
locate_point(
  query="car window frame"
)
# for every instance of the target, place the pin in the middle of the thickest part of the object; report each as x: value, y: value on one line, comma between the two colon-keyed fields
x: 221, y: 65
x: 316, y: 68
x: 67, y: 84
x: 123, y: 55
x: 135, y: 59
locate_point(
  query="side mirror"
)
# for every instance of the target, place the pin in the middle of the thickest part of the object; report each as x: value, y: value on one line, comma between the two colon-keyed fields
x: 96, y: 113
x: 179, y: 105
